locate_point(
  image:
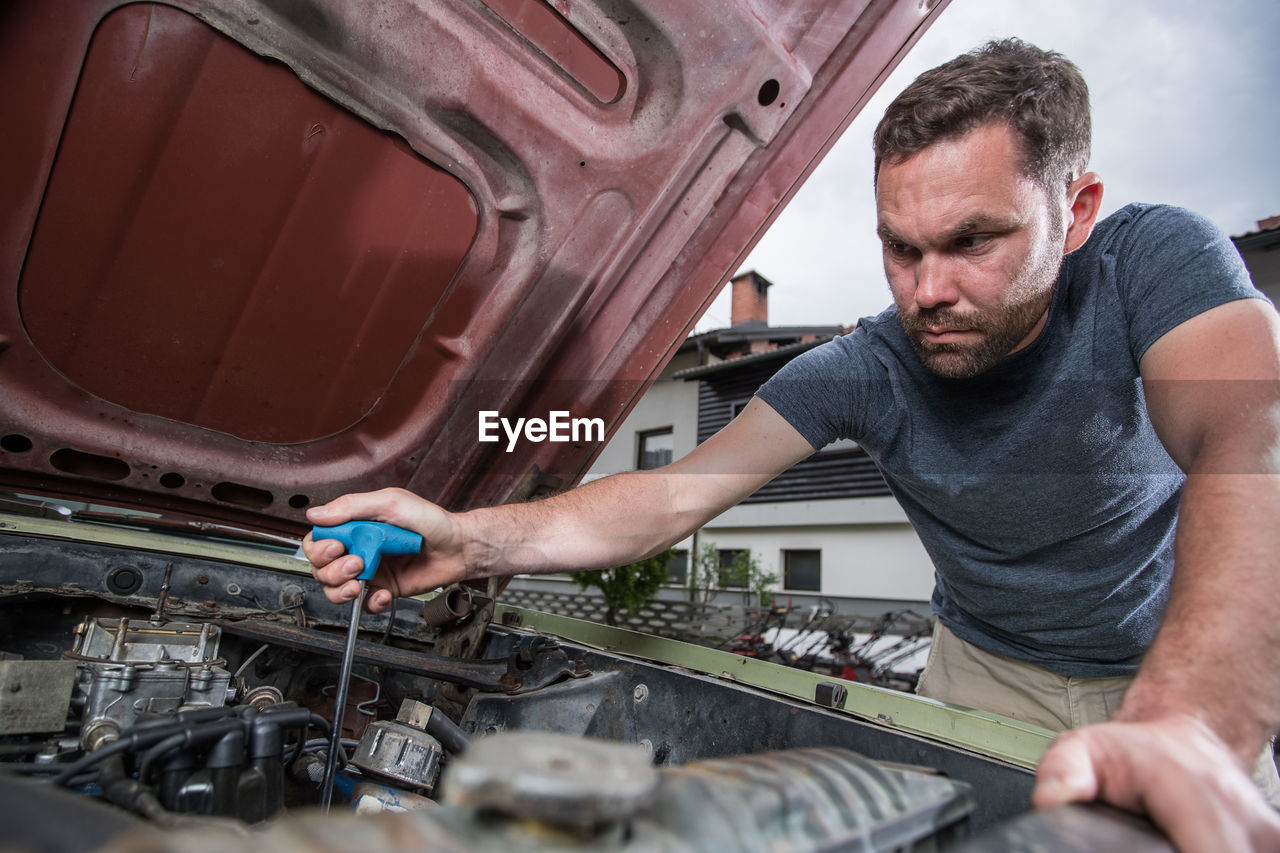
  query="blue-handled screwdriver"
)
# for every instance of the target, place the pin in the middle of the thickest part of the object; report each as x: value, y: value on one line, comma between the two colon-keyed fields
x: 368, y: 540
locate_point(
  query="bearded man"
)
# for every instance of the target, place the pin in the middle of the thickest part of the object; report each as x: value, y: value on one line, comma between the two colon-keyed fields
x: 1081, y: 419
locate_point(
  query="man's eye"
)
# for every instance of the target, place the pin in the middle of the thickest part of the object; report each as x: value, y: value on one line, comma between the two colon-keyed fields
x: 896, y: 249
x: 972, y: 241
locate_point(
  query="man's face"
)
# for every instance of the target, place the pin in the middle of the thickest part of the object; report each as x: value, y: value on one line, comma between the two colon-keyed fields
x: 971, y: 250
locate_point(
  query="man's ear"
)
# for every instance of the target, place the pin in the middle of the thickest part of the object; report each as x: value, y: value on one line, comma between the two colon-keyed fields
x: 1084, y: 200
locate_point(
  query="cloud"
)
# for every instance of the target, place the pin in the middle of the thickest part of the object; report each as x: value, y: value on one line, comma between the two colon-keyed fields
x: 1184, y: 113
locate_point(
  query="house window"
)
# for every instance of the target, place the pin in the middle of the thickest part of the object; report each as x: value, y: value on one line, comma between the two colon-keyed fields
x: 802, y: 570
x: 732, y: 571
x: 678, y: 567
x: 655, y: 449
x: 736, y: 408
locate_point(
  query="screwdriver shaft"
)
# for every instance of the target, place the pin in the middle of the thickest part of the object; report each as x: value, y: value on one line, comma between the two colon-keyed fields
x: 340, y: 699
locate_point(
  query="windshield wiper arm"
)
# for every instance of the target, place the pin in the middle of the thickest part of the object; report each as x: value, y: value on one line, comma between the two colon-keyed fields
x: 33, y: 508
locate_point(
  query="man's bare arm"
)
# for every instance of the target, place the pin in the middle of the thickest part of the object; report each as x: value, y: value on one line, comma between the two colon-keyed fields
x: 608, y: 522
x: 1213, y: 391
x: 1207, y: 696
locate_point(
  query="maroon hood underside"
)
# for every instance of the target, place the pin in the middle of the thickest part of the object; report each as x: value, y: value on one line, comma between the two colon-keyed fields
x: 261, y: 254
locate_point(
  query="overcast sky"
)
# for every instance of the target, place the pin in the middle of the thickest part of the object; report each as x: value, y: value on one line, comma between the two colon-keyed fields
x: 1185, y: 111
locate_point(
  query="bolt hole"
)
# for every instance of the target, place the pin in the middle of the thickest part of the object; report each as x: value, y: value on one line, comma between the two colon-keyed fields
x: 89, y: 464
x: 15, y: 443
x: 171, y: 480
x: 241, y: 495
x: 299, y: 501
x: 768, y: 92
x: 124, y: 580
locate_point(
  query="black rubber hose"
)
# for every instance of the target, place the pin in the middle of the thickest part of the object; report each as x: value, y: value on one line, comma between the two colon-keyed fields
x: 447, y: 732
x: 75, y: 769
x: 119, y: 788
x: 322, y: 724
x: 198, y: 735
x: 325, y: 730
x: 151, y: 755
x: 144, y: 735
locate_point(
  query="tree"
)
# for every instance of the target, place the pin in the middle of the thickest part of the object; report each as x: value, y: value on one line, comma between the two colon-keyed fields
x: 626, y: 588
x: 710, y: 572
x: 704, y: 573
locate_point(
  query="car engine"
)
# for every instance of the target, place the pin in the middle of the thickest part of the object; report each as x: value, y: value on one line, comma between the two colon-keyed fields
x: 152, y: 701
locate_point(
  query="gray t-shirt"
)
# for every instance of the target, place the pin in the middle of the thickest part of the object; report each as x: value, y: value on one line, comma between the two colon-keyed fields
x: 1040, y: 489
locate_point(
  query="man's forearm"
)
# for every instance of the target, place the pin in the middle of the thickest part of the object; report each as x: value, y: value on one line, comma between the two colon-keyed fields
x: 608, y: 522
x: 1215, y: 654
x: 623, y: 518
x: 1213, y: 392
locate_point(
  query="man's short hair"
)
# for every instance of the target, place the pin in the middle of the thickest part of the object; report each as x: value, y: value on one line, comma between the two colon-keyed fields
x: 1039, y: 94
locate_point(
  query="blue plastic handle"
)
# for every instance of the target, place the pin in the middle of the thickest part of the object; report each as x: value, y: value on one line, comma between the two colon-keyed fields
x: 369, y: 540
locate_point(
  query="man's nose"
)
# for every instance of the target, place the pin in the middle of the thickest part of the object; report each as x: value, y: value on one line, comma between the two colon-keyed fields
x: 935, y: 282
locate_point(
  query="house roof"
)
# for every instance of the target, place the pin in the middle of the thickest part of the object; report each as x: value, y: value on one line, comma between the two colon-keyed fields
x: 1266, y: 237
x: 746, y: 332
x: 787, y: 352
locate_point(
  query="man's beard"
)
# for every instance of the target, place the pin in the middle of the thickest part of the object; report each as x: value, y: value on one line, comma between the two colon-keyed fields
x: 1001, y: 329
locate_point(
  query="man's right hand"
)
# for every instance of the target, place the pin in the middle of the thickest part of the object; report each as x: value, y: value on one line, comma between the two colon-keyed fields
x: 439, y: 563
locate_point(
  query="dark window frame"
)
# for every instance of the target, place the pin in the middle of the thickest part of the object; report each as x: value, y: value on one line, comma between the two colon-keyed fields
x: 787, y: 581
x: 645, y: 435
x: 725, y: 559
x: 678, y: 567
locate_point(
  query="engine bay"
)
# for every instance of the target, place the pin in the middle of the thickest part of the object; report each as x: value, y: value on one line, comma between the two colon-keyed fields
x: 193, y: 696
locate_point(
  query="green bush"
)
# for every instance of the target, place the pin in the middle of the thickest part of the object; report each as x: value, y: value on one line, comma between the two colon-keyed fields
x: 626, y: 588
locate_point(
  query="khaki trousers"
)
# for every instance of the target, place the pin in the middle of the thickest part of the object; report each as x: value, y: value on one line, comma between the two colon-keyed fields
x: 960, y: 673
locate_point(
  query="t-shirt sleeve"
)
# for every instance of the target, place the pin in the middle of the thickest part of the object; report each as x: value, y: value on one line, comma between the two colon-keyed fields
x: 827, y: 392
x: 1171, y: 265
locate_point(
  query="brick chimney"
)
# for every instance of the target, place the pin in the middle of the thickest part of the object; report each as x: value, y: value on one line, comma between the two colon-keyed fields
x: 750, y: 299
x: 1268, y: 224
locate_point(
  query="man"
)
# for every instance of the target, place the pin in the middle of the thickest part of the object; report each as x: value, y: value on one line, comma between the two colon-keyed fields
x: 1019, y: 398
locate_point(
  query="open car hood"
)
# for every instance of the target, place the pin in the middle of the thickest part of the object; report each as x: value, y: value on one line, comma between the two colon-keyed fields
x: 260, y: 253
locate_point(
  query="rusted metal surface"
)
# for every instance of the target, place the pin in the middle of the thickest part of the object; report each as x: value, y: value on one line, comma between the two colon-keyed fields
x: 451, y: 606
x: 267, y: 258
x: 226, y: 290
x: 536, y: 662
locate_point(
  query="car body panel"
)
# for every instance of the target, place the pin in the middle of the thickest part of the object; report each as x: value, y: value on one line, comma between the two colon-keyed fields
x: 261, y: 254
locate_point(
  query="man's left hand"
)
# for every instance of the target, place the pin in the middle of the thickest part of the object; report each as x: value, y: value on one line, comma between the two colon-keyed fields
x: 1175, y: 769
